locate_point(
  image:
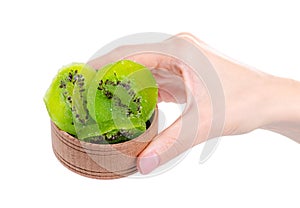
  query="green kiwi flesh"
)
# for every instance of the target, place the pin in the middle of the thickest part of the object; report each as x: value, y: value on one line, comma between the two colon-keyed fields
x: 121, y: 99
x: 59, y: 97
x: 111, y: 105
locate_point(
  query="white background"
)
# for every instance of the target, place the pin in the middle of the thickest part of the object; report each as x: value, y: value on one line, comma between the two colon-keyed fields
x: 260, y: 169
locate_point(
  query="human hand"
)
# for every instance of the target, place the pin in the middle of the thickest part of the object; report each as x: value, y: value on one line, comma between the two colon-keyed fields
x: 245, y: 97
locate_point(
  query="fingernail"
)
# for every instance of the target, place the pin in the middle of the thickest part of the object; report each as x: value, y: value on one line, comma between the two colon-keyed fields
x: 148, y: 163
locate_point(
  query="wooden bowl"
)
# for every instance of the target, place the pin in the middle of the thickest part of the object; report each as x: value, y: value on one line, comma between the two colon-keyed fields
x: 101, y: 161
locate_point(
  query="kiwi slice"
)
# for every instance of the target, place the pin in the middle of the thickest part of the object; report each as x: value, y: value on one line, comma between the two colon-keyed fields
x: 59, y: 99
x: 121, y: 99
x: 109, y: 106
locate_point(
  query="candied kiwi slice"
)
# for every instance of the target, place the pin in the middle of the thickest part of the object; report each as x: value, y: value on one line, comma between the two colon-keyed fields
x: 59, y: 98
x: 121, y: 99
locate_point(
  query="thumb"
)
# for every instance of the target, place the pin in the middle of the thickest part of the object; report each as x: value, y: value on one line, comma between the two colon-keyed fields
x: 174, y: 140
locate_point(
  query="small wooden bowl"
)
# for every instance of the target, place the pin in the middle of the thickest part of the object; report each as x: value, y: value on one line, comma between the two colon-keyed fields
x: 101, y: 161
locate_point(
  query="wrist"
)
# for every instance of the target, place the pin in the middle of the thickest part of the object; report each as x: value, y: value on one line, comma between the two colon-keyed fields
x: 282, y: 106
x: 282, y: 100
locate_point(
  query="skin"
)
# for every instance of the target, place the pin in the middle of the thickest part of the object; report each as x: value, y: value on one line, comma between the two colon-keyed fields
x: 253, y: 100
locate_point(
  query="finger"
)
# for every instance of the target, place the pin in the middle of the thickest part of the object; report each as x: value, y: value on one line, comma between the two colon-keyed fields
x: 115, y: 55
x: 168, y: 80
x: 190, y: 37
x: 159, y: 61
x: 191, y: 128
x: 127, y: 50
x: 167, y: 72
x: 179, y: 137
x: 122, y: 52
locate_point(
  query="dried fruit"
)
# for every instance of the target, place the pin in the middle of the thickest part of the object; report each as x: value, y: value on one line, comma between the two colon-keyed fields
x: 122, y: 97
x: 110, y: 105
x: 59, y: 98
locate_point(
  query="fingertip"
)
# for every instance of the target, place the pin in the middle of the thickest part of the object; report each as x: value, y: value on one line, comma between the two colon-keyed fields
x: 148, y: 162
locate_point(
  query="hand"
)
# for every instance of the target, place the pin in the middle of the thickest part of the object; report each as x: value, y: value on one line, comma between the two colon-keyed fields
x: 247, y: 99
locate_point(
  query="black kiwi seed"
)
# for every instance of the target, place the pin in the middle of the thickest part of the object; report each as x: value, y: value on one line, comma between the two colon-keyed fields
x: 120, y: 136
x: 102, y: 86
x: 70, y: 77
x: 108, y: 94
x: 62, y: 84
x: 126, y: 86
x: 119, y: 103
x: 131, y: 93
x: 129, y: 112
